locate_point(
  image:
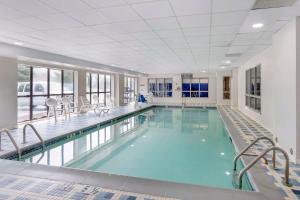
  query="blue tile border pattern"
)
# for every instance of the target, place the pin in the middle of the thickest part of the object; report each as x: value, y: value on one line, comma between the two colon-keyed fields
x: 249, y: 130
x: 38, y: 189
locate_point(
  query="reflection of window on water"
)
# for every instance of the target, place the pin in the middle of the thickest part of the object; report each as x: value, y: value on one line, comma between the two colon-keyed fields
x: 127, y: 125
x: 195, y: 119
x: 162, y: 118
x: 61, y: 155
x: 98, y: 138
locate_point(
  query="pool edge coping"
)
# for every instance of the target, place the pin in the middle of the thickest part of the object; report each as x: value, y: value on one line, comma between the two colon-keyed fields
x: 146, y: 181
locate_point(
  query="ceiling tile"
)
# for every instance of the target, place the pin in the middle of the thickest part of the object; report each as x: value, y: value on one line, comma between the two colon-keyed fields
x: 89, y: 17
x: 191, y: 7
x: 232, y: 5
x: 145, y: 35
x: 249, y: 36
x: 153, y: 9
x: 169, y: 33
x: 223, y: 37
x: 229, y: 18
x: 216, y: 30
x: 66, y: 5
x: 194, y: 21
x: 61, y: 21
x: 104, y: 3
x: 120, y: 13
x: 133, y: 26
x: 35, y: 23
x: 237, y: 49
x: 163, y: 23
x: 9, y: 13
x: 32, y: 7
x: 198, y: 31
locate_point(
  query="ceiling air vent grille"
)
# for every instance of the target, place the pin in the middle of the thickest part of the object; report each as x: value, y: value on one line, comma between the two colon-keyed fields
x: 233, y: 55
x: 265, y: 4
x: 186, y: 76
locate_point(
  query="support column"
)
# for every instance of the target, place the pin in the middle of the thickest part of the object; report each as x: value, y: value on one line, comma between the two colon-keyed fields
x: 8, y: 92
x: 80, y: 85
x: 119, y: 88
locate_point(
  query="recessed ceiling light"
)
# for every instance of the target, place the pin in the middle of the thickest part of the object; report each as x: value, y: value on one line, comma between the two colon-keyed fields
x: 258, y: 25
x: 19, y: 43
x: 227, y: 173
x: 203, y: 71
x: 228, y: 61
x: 223, y: 67
x: 222, y: 153
x: 203, y: 140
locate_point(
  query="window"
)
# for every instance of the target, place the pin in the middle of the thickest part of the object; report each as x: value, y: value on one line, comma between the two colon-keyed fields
x: 160, y: 87
x: 253, y: 88
x: 226, y: 87
x: 100, y: 85
x: 130, y: 89
x: 36, y: 84
x: 195, y: 88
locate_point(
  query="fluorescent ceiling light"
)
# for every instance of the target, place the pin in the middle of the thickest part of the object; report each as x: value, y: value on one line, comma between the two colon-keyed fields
x: 223, y: 67
x: 227, y: 61
x: 203, y: 71
x: 258, y: 25
x: 19, y: 43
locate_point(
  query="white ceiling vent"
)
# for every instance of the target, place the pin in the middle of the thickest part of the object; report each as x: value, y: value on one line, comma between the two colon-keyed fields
x: 233, y: 55
x: 265, y: 4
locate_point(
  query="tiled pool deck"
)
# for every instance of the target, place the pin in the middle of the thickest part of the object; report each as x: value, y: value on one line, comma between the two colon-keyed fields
x: 20, y: 180
x: 50, y: 129
x: 249, y: 129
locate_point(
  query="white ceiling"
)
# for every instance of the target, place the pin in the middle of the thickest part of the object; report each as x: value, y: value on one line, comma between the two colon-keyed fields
x: 151, y: 36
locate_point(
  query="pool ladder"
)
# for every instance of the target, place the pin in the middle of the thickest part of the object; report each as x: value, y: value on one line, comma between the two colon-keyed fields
x: 24, y: 138
x: 36, y: 133
x: 11, y: 139
x: 273, y: 148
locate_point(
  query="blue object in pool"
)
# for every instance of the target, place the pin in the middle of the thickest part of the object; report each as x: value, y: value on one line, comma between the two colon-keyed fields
x: 141, y: 98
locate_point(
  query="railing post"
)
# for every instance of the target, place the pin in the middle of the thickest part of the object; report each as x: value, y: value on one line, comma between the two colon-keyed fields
x: 274, y: 148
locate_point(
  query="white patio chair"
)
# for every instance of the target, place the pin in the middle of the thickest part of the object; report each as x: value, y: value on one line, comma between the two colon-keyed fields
x: 66, y: 103
x: 52, y: 105
x: 100, y: 106
x: 85, y: 105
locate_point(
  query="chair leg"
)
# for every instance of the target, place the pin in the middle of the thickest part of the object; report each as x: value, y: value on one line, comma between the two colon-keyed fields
x: 55, y: 117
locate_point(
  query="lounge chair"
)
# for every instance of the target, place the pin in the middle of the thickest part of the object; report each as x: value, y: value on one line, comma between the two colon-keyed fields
x: 100, y: 106
x: 52, y: 104
x: 86, y: 105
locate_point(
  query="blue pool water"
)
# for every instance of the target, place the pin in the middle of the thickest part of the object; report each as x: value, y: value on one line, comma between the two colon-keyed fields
x: 188, y: 145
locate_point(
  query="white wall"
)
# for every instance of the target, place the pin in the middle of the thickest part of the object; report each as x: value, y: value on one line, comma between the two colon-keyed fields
x: 8, y: 92
x: 215, y: 89
x: 278, y: 88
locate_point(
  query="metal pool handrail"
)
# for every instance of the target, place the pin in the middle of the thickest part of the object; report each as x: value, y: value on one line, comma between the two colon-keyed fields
x: 243, y: 152
x: 11, y: 139
x: 35, y: 131
x: 287, y: 165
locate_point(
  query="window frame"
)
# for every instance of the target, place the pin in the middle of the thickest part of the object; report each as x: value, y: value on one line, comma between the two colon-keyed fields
x: 48, y: 94
x: 253, y: 89
x: 160, y: 93
x: 199, y: 91
x: 130, y: 94
x: 91, y: 93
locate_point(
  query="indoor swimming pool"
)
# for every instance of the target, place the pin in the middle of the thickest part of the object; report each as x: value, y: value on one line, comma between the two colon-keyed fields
x: 189, y: 146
